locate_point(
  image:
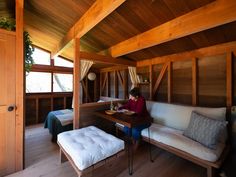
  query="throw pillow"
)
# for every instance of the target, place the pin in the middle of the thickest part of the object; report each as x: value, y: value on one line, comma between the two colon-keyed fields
x: 204, y: 130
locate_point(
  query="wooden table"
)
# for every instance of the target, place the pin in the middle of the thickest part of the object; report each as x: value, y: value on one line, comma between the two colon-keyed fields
x: 130, y: 121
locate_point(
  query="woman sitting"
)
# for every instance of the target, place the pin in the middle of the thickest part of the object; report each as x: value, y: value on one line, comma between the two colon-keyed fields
x: 137, y: 104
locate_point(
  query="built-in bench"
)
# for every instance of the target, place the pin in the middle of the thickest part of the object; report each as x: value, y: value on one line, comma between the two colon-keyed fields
x: 88, y: 148
x: 166, y: 132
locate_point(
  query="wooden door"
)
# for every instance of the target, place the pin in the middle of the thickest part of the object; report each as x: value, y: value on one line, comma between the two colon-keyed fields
x: 7, y: 99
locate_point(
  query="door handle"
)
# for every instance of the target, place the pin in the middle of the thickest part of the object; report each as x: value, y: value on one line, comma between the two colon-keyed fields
x: 11, y: 108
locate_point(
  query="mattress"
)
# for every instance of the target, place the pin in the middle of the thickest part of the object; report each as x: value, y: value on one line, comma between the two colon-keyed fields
x: 89, y: 145
x: 175, y: 138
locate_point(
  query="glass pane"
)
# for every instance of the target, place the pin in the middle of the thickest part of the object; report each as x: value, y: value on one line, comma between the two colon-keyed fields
x: 62, y: 82
x: 58, y: 61
x: 41, y: 57
x: 38, y: 82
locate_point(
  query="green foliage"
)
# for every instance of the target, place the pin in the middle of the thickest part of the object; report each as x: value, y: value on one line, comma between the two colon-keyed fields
x: 29, y: 49
x: 10, y: 24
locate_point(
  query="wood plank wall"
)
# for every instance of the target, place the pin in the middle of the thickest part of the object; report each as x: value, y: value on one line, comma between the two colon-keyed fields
x: 115, y: 82
x: 196, y: 78
x: 39, y: 105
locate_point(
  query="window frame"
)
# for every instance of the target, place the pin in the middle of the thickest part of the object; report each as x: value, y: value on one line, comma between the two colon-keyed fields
x: 51, y: 69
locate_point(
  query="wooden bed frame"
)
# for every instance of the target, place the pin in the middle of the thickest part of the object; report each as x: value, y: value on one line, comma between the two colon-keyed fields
x: 210, y: 166
x: 64, y: 156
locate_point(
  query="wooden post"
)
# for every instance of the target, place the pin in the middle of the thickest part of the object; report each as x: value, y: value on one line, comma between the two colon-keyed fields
x: 115, y: 84
x: 76, y: 84
x: 20, y: 75
x: 229, y: 76
x: 150, y: 80
x: 101, y: 84
x: 169, y: 81
x: 37, y: 110
x: 125, y: 84
x: 194, y: 81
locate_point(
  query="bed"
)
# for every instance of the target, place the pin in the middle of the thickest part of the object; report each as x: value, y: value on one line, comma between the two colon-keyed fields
x: 59, y: 121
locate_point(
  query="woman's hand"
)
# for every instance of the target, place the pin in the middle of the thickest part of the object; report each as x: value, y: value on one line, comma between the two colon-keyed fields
x: 119, y: 105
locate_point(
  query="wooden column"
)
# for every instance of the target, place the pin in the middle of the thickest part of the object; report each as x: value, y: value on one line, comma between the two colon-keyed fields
x: 169, y: 81
x: 108, y: 84
x: 76, y: 84
x: 125, y: 85
x: 194, y: 81
x: 37, y: 110
x: 95, y: 89
x: 20, y: 75
x: 150, y: 85
x: 229, y: 80
x: 115, y: 84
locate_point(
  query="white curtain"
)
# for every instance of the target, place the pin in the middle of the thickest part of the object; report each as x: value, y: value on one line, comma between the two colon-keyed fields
x: 85, y: 65
x: 133, y: 76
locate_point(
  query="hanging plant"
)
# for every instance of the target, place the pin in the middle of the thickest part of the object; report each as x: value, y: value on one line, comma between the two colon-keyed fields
x: 10, y: 24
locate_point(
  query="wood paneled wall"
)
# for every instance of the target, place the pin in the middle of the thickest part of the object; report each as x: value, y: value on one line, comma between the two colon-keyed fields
x: 114, y: 82
x: 203, y: 77
x: 39, y: 105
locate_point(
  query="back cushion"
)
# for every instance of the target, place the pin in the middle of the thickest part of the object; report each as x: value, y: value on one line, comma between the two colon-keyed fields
x: 178, y: 116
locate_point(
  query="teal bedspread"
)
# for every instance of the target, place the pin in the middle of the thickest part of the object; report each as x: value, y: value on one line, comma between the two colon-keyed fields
x: 54, y: 125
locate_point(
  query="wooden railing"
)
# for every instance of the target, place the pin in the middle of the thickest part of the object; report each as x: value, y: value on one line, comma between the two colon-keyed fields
x: 38, y: 105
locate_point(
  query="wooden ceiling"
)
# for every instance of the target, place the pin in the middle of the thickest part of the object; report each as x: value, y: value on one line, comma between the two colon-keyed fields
x: 48, y: 21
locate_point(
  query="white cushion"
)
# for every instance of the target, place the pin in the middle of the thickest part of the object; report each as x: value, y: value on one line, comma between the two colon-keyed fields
x: 87, y: 146
x: 178, y: 116
x: 175, y: 138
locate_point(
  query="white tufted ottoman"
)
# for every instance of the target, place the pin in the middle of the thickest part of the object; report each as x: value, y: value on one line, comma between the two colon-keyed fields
x: 89, y: 147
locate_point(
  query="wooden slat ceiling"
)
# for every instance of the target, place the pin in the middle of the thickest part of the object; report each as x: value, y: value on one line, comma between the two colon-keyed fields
x: 7, y: 8
x: 48, y: 21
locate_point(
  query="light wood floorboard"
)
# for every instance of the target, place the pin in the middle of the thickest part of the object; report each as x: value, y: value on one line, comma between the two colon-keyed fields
x: 42, y: 160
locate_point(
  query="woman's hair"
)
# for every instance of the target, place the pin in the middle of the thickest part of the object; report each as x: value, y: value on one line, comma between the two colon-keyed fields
x: 134, y: 92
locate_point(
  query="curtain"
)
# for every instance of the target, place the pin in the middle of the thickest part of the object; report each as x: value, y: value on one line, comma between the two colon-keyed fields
x: 85, y: 65
x: 133, y: 76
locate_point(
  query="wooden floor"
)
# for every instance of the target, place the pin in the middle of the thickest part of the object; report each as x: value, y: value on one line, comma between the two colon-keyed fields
x: 42, y: 160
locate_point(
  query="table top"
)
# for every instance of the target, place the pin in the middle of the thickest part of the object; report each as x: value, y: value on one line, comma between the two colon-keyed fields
x: 127, y: 120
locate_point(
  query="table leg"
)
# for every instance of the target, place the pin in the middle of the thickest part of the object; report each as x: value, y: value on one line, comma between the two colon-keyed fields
x: 130, y: 153
x: 150, y: 145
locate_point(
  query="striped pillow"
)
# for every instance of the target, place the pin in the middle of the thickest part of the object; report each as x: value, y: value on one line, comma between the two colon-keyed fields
x: 205, y: 130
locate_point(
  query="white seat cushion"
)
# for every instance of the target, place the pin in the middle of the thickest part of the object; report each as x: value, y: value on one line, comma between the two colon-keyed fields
x: 87, y: 146
x: 175, y: 138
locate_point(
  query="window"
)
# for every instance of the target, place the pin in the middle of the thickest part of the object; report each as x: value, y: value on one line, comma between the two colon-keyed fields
x: 38, y: 82
x: 41, y: 57
x: 62, y: 82
x: 59, y: 61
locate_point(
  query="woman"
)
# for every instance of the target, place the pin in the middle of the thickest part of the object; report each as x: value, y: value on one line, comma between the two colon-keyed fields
x: 137, y: 104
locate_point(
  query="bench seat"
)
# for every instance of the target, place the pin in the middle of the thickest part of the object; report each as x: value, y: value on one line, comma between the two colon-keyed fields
x: 87, y: 146
x: 176, y: 139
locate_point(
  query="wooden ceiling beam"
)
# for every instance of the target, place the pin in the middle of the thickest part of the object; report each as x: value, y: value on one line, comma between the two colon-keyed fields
x: 106, y: 59
x: 95, y: 14
x: 214, y: 14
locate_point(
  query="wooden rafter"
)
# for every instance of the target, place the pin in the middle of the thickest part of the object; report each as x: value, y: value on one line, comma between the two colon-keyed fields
x: 214, y: 14
x: 106, y: 59
x: 159, y: 79
x: 95, y: 14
